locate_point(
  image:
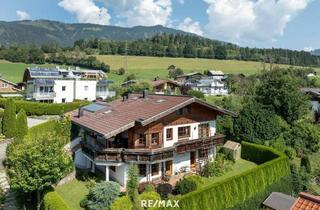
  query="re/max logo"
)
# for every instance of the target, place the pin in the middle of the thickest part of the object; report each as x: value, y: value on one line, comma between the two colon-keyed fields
x: 159, y: 203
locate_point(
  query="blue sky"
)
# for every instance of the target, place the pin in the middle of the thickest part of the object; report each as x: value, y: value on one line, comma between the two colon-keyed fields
x: 255, y: 23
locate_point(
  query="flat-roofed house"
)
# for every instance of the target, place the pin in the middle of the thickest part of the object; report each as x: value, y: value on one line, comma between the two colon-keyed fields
x: 162, y: 134
x: 55, y: 85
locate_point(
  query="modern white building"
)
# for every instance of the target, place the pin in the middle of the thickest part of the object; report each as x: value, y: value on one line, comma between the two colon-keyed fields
x: 209, y: 86
x: 65, y: 85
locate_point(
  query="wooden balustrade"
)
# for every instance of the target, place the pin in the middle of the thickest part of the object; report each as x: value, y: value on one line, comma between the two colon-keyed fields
x: 150, y: 155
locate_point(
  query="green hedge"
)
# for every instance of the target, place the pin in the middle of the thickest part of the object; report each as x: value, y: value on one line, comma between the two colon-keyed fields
x: 37, y: 108
x: 53, y: 201
x: 284, y: 185
x: 239, y: 188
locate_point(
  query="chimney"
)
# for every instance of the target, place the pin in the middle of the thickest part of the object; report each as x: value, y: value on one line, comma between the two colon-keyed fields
x: 145, y: 93
x: 80, y: 112
x: 125, y: 96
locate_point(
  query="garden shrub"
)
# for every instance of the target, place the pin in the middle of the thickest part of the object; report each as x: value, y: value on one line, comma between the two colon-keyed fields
x: 149, y: 188
x: 102, y: 195
x: 185, y: 186
x: 217, y: 167
x: 164, y: 190
x: 121, y: 203
x: 53, y: 201
x: 36, y: 108
x: 305, y: 162
x: 238, y: 189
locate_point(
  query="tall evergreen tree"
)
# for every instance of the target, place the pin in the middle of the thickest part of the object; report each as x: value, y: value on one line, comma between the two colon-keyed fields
x: 23, y: 125
x: 9, y: 119
x: 132, y: 186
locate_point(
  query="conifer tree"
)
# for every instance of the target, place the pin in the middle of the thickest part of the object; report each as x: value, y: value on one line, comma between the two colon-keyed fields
x: 9, y: 119
x: 22, y: 124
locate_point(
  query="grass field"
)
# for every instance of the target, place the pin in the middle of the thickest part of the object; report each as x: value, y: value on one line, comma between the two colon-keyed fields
x: 72, y: 193
x: 240, y: 166
x: 147, y: 68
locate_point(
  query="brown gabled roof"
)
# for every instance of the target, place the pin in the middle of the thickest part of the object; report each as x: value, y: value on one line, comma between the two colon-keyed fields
x: 306, y: 201
x: 158, y: 82
x: 118, y: 116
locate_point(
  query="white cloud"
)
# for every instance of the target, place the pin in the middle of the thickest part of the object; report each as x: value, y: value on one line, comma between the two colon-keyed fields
x: 23, y: 15
x: 308, y: 49
x: 142, y: 12
x: 247, y: 20
x: 191, y: 26
x: 180, y: 2
x: 86, y: 11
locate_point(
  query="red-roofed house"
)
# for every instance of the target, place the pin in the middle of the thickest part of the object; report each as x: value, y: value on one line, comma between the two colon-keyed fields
x: 164, y: 135
x: 306, y: 201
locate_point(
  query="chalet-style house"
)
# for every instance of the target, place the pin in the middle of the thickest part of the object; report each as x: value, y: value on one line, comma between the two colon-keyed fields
x: 181, y: 79
x: 161, y: 86
x: 57, y: 85
x: 162, y: 134
x: 8, y: 87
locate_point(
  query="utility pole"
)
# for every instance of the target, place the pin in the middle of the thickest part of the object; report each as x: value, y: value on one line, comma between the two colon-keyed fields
x: 126, y: 56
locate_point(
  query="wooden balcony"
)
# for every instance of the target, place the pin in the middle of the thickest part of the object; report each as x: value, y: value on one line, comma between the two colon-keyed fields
x: 149, y: 155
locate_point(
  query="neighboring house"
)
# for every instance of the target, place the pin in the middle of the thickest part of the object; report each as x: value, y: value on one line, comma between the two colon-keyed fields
x: 218, y: 75
x: 181, y: 79
x: 57, y: 85
x: 280, y: 201
x: 208, y: 86
x: 161, y: 86
x: 314, y: 94
x: 163, y: 134
x: 8, y: 87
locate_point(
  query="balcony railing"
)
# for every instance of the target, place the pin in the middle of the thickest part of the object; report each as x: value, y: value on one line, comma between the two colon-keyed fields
x: 150, y: 155
x: 107, y: 94
x: 44, y: 95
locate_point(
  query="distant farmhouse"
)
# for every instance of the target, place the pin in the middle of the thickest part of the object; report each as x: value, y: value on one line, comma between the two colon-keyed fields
x: 211, y: 84
x: 9, y: 89
x: 161, y: 86
x: 57, y: 85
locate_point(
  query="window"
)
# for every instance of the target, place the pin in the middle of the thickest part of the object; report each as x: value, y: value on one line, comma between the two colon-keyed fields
x: 155, y: 169
x: 204, y: 130
x: 63, y: 100
x: 86, y: 88
x: 155, y: 138
x: 169, y: 134
x: 113, y: 168
x: 63, y: 88
x: 142, y: 170
x: 179, y: 111
x: 183, y: 132
x: 142, y: 139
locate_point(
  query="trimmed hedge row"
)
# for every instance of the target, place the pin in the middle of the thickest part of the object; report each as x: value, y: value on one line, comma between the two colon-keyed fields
x: 53, y: 201
x: 238, y: 189
x: 284, y: 185
x: 36, y: 108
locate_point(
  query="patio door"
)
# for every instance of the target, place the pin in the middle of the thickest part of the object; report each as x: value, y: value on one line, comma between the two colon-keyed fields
x: 193, y: 159
x: 169, y: 168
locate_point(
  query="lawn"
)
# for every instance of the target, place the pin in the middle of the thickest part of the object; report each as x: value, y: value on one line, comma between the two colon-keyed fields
x: 72, y: 193
x: 147, y: 68
x: 240, y: 166
x: 14, y: 71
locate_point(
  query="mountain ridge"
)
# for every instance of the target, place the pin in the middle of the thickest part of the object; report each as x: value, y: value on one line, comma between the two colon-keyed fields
x: 41, y: 31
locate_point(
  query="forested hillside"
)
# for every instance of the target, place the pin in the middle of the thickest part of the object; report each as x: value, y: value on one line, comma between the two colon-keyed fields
x: 39, y: 32
x: 188, y: 46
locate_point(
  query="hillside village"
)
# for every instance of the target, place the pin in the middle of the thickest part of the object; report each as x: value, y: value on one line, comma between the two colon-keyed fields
x: 180, y: 139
